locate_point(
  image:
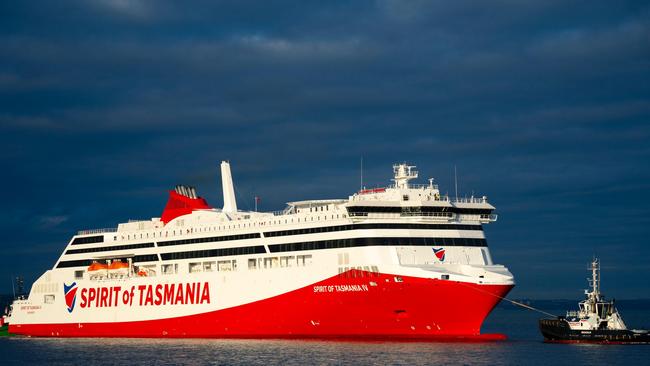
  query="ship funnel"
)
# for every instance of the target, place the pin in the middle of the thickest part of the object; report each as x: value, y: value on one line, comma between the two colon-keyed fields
x: 229, y: 202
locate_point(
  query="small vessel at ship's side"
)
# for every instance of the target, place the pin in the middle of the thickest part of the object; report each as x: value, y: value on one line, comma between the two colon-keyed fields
x: 596, y: 321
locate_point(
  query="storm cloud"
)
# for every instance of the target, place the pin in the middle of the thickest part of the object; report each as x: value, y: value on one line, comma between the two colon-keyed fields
x: 542, y: 106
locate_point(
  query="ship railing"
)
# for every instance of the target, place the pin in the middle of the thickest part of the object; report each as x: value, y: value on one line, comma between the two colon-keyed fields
x: 481, y: 217
x: 467, y: 199
x: 417, y: 186
x: 446, y: 215
x: 445, y: 198
x: 287, y: 211
x: 97, y: 231
x: 429, y: 214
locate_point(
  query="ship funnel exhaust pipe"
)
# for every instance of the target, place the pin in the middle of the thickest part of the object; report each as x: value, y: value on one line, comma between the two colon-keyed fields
x: 229, y: 202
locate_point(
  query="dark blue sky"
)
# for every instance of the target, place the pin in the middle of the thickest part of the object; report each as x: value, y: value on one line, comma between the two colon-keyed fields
x: 544, y: 107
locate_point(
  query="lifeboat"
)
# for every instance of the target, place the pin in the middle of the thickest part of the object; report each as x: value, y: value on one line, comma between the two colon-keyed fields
x: 95, y: 266
x: 118, y: 268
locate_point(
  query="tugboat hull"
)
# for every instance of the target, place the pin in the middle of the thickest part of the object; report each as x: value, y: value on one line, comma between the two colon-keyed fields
x: 558, y: 331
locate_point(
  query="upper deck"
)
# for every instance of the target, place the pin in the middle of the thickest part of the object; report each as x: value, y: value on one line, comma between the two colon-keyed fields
x: 404, y: 213
x: 400, y: 200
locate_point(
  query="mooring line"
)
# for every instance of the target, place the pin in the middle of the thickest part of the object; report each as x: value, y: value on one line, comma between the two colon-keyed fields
x: 511, y: 301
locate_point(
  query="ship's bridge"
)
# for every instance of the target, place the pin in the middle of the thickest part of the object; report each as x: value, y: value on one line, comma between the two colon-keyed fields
x: 416, y: 200
x: 401, y: 189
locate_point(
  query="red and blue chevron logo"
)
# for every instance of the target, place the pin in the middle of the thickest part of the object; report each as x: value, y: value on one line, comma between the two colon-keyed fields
x: 440, y: 253
x: 70, y: 293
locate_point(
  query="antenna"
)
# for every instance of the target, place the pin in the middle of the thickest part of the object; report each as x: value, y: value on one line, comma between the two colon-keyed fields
x: 456, y: 182
x: 13, y: 286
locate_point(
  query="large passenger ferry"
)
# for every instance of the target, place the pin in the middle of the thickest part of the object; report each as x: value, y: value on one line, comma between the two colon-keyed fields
x: 401, y: 261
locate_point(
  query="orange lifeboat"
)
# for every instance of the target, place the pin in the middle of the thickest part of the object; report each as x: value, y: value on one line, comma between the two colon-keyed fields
x: 118, y: 268
x: 95, y: 266
x: 117, y: 265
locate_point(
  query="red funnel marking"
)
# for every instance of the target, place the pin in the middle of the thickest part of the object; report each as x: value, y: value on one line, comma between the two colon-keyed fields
x: 179, y: 205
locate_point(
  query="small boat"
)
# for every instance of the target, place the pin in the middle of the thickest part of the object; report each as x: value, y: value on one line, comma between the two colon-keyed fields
x: 596, y: 321
x: 96, y: 266
x: 113, y: 269
x: 118, y: 268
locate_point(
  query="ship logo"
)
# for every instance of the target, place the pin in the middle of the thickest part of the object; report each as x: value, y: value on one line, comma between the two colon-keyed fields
x: 440, y: 253
x: 70, y: 293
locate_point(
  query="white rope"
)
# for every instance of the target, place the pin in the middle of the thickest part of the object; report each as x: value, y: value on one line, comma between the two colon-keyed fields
x: 512, y: 301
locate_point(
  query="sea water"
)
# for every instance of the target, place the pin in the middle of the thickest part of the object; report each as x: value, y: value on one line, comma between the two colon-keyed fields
x: 524, y: 346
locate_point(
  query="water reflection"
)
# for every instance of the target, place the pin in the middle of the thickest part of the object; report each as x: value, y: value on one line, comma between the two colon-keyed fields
x: 525, y: 346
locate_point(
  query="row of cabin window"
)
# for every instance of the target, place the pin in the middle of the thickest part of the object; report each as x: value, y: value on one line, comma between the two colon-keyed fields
x: 160, y: 233
x: 290, y: 247
x: 210, y: 239
x: 284, y: 233
x: 215, y: 228
x: 379, y: 241
x: 116, y: 247
x: 231, y: 265
x: 87, y: 262
x: 222, y: 252
x: 197, y: 267
x: 280, y: 262
x: 211, y: 266
x: 416, y: 209
x: 325, y: 229
x: 88, y: 240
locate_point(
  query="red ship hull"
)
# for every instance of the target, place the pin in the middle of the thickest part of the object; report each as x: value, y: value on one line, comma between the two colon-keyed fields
x: 415, y: 308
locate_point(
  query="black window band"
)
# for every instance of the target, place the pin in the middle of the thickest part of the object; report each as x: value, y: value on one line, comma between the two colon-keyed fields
x: 209, y: 239
x: 88, y: 240
x: 380, y: 241
x: 104, y: 249
x: 222, y: 252
x: 87, y: 262
x: 326, y: 229
x: 414, y: 210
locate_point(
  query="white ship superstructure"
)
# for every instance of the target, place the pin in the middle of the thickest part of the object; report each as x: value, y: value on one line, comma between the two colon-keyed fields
x: 399, y: 261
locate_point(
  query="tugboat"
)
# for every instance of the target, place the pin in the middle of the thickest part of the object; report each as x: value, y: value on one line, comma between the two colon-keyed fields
x: 596, y: 321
